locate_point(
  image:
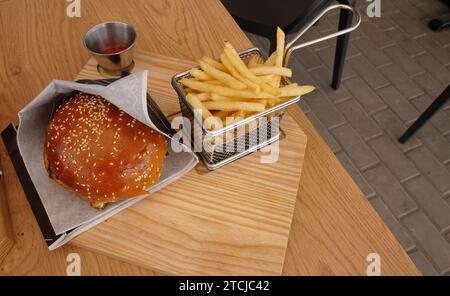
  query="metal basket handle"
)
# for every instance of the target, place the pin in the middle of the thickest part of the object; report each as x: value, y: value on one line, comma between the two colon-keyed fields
x: 290, y: 48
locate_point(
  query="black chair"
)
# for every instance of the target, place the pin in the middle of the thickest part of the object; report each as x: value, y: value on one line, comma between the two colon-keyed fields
x: 441, y: 22
x: 261, y: 17
x: 436, y: 24
x: 426, y: 115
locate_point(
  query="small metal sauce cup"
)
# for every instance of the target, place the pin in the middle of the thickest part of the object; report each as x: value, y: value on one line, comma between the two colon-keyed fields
x: 112, y: 45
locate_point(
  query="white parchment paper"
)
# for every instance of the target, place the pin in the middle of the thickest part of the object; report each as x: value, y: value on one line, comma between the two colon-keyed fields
x: 65, y: 210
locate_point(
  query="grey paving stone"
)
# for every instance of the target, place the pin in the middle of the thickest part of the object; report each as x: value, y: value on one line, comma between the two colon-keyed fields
x: 402, y: 59
x: 389, y: 190
x: 429, y: 84
x: 444, y: 38
x: 430, y: 201
x: 394, y: 128
x: 359, y: 119
x: 384, y: 23
x: 409, y: 45
x: 414, y: 28
x: 429, y: 239
x: 324, y: 108
x: 356, y: 148
x: 327, y: 53
x: 408, y: 9
x: 323, y: 77
x: 440, y: 119
x: 364, y: 95
x: 431, y: 9
x: 378, y: 36
x: 409, y: 89
x: 325, y: 26
x: 311, y: 34
x: 401, y: 81
x: 372, y: 52
x: 393, y: 158
x: 398, y: 103
x: 356, y: 175
x: 327, y: 56
x: 434, y: 67
x: 392, y: 222
x: 396, y: 56
x: 324, y: 133
x: 299, y: 73
x: 368, y: 72
x: 387, y: 8
x: 394, y: 74
x: 308, y: 58
x: 304, y: 106
x: 422, y: 263
x: 435, y: 141
x: 431, y: 168
x: 439, y: 52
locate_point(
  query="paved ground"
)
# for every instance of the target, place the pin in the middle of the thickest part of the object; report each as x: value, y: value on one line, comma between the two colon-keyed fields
x: 396, y: 66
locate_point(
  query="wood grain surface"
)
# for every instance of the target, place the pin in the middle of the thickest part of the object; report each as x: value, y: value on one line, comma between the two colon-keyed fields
x: 234, y: 220
x: 334, y: 227
x: 6, y: 236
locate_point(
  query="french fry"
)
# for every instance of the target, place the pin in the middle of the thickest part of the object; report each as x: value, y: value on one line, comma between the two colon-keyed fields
x: 221, y: 114
x: 221, y: 90
x: 203, y: 112
x: 272, y: 70
x: 253, y: 61
x: 216, y: 97
x: 225, y: 78
x: 291, y: 85
x: 263, y: 101
x: 225, y: 61
x: 280, y: 54
x: 288, y: 92
x: 267, y: 78
x: 199, y: 74
x: 202, y: 97
x: 214, y: 63
x: 228, y: 90
x: 236, y: 116
x: 280, y: 48
x: 273, y: 102
x: 240, y: 66
x: 237, y: 63
x: 296, y: 91
x: 240, y: 113
x: 271, y: 60
x: 234, y: 106
x: 215, y: 82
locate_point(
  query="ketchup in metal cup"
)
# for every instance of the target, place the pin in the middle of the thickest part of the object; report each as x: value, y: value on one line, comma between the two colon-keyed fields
x: 113, y: 50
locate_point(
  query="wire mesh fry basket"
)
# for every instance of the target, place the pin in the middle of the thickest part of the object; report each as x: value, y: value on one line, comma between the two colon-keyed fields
x: 231, y: 142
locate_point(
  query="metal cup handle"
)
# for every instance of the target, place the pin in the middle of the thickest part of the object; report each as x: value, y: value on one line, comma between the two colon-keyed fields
x: 290, y: 47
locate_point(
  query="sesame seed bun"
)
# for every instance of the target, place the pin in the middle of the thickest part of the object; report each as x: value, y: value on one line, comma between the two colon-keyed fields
x: 101, y: 153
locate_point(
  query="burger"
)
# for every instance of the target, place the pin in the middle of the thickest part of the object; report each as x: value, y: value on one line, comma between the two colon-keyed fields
x: 101, y: 153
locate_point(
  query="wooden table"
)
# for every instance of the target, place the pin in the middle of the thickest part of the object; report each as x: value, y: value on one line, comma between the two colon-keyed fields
x: 334, y: 226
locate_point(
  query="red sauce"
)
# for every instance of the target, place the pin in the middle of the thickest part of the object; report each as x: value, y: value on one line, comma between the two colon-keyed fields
x: 113, y: 50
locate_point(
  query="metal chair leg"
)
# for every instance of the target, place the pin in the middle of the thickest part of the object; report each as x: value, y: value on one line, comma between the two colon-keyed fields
x: 440, y: 23
x: 426, y: 115
x: 345, y: 21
